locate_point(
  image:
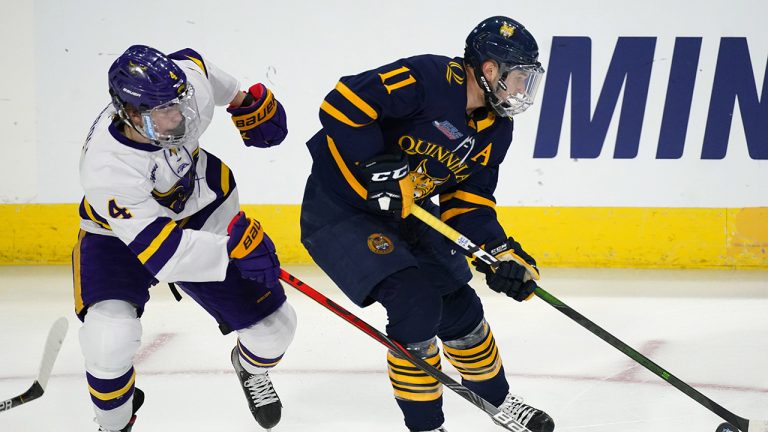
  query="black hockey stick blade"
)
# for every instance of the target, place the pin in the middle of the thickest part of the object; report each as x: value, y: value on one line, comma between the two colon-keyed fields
x: 53, y: 343
x: 500, y: 417
x: 469, y: 247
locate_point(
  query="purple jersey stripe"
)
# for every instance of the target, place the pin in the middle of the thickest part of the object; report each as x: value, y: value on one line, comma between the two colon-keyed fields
x: 255, y: 360
x: 164, y: 253
x: 155, y: 255
x: 148, y: 234
x: 190, y: 54
x: 88, y: 213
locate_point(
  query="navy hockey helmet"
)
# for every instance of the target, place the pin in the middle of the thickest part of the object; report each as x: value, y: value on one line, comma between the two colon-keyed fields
x: 515, y: 51
x: 149, y: 82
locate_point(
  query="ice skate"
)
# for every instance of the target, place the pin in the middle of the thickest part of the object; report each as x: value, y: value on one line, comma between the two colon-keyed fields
x: 138, y: 401
x: 261, y: 395
x: 534, y: 419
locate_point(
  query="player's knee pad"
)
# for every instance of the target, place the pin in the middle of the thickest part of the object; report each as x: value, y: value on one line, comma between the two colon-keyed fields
x: 413, y: 304
x: 110, y: 337
x: 410, y: 382
x: 462, y: 312
x: 263, y: 344
x: 475, y: 355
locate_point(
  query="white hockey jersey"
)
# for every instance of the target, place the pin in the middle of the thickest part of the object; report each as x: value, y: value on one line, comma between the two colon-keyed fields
x: 145, y: 195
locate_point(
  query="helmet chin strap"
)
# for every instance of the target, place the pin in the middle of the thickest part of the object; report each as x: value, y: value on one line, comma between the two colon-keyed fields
x: 126, y: 120
x: 490, y: 97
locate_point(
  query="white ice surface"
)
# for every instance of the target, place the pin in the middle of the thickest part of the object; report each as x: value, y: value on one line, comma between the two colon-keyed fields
x: 708, y: 328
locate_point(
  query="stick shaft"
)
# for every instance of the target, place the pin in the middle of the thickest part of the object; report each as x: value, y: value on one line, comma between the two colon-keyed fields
x: 500, y: 417
x: 473, y: 249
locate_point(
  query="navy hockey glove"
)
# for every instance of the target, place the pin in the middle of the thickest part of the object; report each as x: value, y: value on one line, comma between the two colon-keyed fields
x: 390, y: 186
x: 516, y: 274
x: 260, y: 118
x: 252, y: 250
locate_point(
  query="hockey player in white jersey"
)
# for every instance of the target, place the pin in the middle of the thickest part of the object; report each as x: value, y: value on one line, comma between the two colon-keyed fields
x: 158, y: 207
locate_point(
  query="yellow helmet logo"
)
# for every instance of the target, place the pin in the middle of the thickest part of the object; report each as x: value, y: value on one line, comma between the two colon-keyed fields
x: 506, y: 30
x: 173, y: 75
x: 136, y: 69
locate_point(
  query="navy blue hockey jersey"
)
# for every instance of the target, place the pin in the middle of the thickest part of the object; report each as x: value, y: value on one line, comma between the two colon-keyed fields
x: 416, y: 105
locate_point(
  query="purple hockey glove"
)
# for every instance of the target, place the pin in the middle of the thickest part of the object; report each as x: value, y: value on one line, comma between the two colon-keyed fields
x: 252, y: 250
x: 261, y: 118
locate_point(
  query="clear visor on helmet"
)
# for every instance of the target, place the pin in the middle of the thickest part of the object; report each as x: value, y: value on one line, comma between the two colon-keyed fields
x: 173, y: 123
x: 516, y: 89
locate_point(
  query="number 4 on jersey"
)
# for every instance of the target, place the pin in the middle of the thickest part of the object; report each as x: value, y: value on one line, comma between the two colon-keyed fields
x: 117, y: 212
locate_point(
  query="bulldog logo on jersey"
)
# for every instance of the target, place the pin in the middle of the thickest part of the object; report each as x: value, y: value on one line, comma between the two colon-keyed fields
x: 380, y: 244
x: 423, y: 183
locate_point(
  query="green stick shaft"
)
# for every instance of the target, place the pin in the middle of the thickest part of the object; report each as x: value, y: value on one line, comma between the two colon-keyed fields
x: 595, y: 329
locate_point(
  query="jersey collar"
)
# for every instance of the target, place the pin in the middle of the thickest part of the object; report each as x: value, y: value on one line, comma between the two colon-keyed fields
x: 130, y: 143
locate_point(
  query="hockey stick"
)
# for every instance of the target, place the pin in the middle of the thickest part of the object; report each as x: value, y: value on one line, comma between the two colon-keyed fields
x: 500, y: 417
x: 52, y: 346
x: 743, y: 424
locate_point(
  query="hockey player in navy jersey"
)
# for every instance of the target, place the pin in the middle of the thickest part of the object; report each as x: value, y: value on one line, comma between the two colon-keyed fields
x: 158, y: 207
x: 421, y: 127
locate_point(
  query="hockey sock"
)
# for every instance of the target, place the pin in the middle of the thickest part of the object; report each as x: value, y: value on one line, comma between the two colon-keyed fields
x: 477, y: 359
x: 418, y: 394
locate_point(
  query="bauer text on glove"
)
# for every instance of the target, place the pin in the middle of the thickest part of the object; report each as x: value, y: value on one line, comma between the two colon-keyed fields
x: 252, y: 250
x: 260, y: 118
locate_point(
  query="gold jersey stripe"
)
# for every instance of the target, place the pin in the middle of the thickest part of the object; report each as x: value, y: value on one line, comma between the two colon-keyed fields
x: 338, y: 115
x: 145, y: 255
x: 76, y: 273
x: 468, y: 197
x: 357, y: 101
x: 452, y: 213
x: 199, y: 64
x: 224, y: 178
x: 348, y: 176
x: 89, y: 212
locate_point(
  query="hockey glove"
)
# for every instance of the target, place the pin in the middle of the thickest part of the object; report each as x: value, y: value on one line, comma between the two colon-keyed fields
x: 390, y: 186
x: 252, y: 250
x: 260, y: 118
x: 516, y: 274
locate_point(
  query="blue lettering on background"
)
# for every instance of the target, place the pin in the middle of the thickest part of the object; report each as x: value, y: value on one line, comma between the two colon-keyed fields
x: 735, y: 79
x: 677, y: 108
x: 630, y: 68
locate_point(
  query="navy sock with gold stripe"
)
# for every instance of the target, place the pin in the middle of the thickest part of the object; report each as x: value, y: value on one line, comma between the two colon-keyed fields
x: 418, y: 394
x: 477, y: 359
